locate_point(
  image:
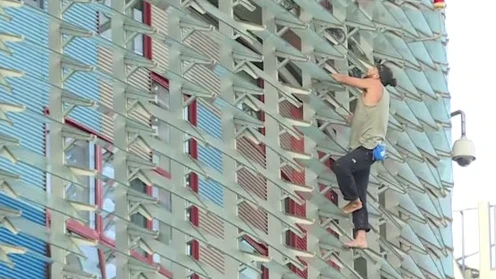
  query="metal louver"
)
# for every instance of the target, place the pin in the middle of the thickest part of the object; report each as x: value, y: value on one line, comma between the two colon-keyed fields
x: 264, y: 151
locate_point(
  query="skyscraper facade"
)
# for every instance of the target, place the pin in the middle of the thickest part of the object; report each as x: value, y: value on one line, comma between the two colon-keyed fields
x: 194, y: 139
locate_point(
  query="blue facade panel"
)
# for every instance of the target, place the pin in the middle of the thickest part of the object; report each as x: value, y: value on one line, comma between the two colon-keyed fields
x: 27, y: 266
x: 85, y: 51
x: 33, y: 92
x: 211, y: 123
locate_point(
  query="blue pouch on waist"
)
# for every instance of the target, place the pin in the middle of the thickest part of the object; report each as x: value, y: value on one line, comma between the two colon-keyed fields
x: 379, y: 152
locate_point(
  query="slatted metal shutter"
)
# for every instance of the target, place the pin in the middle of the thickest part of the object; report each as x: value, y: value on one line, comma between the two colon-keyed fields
x: 253, y: 183
x: 83, y: 50
x: 140, y: 79
x: 287, y: 110
x: 160, y: 51
x: 214, y: 226
x: 33, y: 93
x: 288, y: 142
x: 27, y: 266
x: 210, y: 123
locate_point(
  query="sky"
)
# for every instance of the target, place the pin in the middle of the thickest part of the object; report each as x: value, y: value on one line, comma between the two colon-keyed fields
x: 472, y: 57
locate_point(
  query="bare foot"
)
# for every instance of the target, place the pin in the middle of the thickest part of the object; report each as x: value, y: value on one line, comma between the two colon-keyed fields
x: 357, y: 244
x: 360, y: 241
x: 352, y: 206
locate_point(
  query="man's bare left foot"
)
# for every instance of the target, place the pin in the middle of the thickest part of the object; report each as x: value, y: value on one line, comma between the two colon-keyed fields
x: 357, y: 244
x: 360, y: 241
x: 352, y: 206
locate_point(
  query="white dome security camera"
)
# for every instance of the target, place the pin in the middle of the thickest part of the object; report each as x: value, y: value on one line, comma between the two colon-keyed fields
x: 463, y: 152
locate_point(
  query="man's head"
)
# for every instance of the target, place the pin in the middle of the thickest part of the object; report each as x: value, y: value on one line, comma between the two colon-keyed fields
x: 383, y: 73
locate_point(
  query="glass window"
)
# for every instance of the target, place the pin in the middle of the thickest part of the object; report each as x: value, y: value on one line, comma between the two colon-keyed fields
x: 186, y: 113
x: 248, y: 110
x: 187, y: 138
x: 247, y: 272
x: 108, y: 204
x: 90, y: 265
x: 163, y: 101
x: 246, y: 247
x: 164, y: 197
x: 156, y: 227
x: 138, y: 42
x: 166, y: 238
x: 163, y: 95
x: 81, y: 154
x: 109, y: 197
x: 188, y: 214
x: 137, y: 13
x: 241, y: 105
x: 186, y: 144
x: 110, y: 268
x: 104, y: 22
x: 189, y: 249
x: 137, y: 218
x: 34, y: 3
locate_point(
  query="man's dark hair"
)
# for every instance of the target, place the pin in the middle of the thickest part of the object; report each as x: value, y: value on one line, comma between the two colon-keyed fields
x: 386, y: 75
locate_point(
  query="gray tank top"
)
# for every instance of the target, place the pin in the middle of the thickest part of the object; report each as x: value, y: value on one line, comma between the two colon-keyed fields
x: 369, y: 124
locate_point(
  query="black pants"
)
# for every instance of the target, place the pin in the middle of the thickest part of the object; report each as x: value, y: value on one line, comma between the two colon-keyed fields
x: 352, y: 173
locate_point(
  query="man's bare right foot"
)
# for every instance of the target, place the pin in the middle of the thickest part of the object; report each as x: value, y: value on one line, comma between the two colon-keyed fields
x: 352, y: 206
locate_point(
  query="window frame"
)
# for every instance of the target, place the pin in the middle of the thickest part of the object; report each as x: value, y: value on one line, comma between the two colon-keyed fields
x: 292, y: 207
x: 99, y: 189
x: 262, y: 250
x: 144, y: 9
x: 156, y: 80
x: 91, y: 183
x: 194, y: 216
x: 194, y: 179
x: 98, y: 233
x: 35, y: 3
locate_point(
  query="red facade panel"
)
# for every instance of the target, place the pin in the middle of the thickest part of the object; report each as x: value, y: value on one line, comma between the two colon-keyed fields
x: 332, y: 197
x: 211, y: 224
x: 194, y: 183
x: 212, y: 258
x: 297, y: 145
x: 253, y: 183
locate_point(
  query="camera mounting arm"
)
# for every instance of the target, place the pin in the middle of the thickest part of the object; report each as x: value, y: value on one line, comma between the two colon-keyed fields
x: 462, y: 118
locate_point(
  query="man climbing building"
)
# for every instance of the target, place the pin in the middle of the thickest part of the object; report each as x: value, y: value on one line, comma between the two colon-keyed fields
x: 368, y: 131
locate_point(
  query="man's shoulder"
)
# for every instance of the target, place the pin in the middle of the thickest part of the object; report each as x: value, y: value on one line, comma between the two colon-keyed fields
x: 375, y: 86
x: 374, y: 83
x: 374, y: 93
